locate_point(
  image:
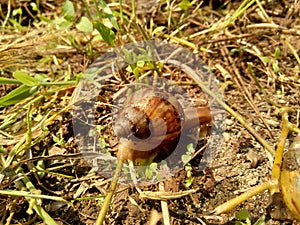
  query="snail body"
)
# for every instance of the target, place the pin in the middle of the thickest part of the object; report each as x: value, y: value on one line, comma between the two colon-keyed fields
x: 150, y: 124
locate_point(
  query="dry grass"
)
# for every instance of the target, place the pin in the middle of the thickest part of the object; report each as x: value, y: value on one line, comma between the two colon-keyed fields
x: 252, y: 49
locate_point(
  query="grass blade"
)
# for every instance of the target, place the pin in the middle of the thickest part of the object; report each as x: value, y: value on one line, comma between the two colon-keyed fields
x: 17, y: 95
x: 4, y: 80
x: 25, y: 78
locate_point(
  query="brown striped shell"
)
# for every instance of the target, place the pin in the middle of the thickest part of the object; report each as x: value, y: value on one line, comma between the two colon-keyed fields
x: 150, y: 122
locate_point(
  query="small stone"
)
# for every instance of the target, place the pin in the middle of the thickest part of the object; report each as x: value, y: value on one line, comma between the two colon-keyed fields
x: 253, y: 158
x: 226, y: 136
x: 229, y: 122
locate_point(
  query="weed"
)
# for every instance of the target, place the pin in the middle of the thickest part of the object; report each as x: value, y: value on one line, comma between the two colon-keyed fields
x: 243, y: 218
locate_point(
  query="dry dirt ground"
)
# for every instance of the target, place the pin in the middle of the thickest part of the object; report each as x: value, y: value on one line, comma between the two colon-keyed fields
x: 253, y: 81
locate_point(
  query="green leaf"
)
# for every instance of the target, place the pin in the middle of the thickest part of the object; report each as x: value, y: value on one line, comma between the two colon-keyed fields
x: 63, y: 23
x: 158, y: 30
x: 142, y: 56
x: 277, y: 53
x: 4, y: 80
x: 275, y: 67
x: 242, y: 214
x: 140, y: 63
x: 68, y: 11
x: 2, y: 150
x: 17, y: 95
x: 238, y: 49
x: 109, y: 14
x: 25, y: 78
x: 190, y: 148
x: 185, y: 158
x: 136, y: 72
x: 153, y: 166
x: 188, y: 167
x: 185, y: 4
x: 42, y: 78
x: 85, y: 25
x: 130, y: 57
x: 239, y: 223
x: 107, y: 34
x: 188, y: 182
x: 44, y: 19
x: 265, y: 59
x: 34, y: 6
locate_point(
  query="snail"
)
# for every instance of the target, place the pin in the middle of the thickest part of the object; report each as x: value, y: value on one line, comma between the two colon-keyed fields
x: 290, y: 178
x: 151, y: 122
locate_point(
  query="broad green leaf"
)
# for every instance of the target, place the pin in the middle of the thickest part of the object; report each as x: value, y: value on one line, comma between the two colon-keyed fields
x: 17, y: 95
x: 153, y: 166
x: 185, y: 4
x: 17, y: 11
x: 107, y: 34
x: 242, y: 214
x: 85, y: 25
x: 265, y: 59
x: 25, y: 78
x: 68, y: 11
x: 185, y: 158
x: 4, y: 80
x: 109, y: 14
x: 190, y: 148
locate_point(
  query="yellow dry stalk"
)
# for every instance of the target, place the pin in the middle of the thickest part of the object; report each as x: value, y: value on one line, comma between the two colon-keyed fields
x: 290, y: 178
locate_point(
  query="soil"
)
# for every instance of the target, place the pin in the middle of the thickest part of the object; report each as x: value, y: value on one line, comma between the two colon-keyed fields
x: 250, y: 86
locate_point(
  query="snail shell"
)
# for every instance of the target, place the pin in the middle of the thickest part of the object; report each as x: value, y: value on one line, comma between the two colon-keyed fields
x: 150, y: 124
x: 150, y: 121
x: 290, y: 178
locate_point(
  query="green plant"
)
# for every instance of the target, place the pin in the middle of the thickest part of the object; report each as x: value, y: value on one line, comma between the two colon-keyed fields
x: 243, y: 218
x: 189, y: 178
x: 28, y: 87
x: 188, y: 168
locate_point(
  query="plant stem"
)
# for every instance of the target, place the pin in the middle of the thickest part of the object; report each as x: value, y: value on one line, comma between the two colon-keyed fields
x: 276, y: 170
x: 232, y: 203
x: 133, y: 16
x: 121, y: 14
x: 110, y: 194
